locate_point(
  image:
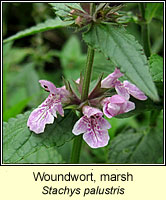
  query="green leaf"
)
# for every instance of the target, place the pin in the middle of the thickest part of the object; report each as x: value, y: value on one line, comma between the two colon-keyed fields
x: 125, y: 52
x: 74, y: 6
x: 63, y: 9
x: 43, y: 155
x: 16, y: 55
x: 45, y: 26
x: 60, y: 9
x: 72, y: 59
x: 66, y: 6
x: 15, y: 109
x: 160, y: 12
x: 150, y: 11
x: 100, y: 63
x: 32, y: 83
x: 156, y: 67
x: 19, y: 142
x: 71, y: 50
x: 140, y: 147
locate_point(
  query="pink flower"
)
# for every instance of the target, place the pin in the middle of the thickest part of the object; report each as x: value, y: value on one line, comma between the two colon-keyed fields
x: 111, y: 79
x: 126, y: 89
x: 93, y: 126
x: 116, y: 105
x: 46, y: 112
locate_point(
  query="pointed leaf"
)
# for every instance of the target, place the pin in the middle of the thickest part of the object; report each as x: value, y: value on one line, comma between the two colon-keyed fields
x: 45, y: 26
x: 150, y: 10
x: 139, y: 147
x: 125, y: 52
x: 74, y: 6
x: 156, y: 67
x: 63, y: 9
x: 43, y: 155
x: 19, y: 142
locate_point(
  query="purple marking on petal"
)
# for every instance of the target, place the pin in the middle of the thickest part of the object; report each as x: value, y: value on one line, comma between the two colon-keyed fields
x: 134, y: 91
x: 54, y: 104
x: 103, y: 123
x: 45, y: 113
x: 58, y: 107
x: 81, y: 126
x: 39, y: 118
x: 93, y: 127
x: 48, y: 86
x: 111, y: 79
x: 97, y: 139
x: 64, y: 95
x: 90, y: 111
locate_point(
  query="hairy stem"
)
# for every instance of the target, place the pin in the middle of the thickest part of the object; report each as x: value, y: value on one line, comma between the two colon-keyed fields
x: 87, y: 74
x: 145, y: 31
x: 76, y: 149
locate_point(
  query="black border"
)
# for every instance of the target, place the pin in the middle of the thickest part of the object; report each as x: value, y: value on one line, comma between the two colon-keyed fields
x: 1, y: 164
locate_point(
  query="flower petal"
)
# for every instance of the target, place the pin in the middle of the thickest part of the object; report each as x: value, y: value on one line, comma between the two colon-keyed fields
x: 117, y: 99
x: 78, y: 80
x: 64, y: 95
x: 57, y: 106
x: 48, y: 86
x: 96, y: 140
x: 54, y: 103
x: 134, y: 91
x: 116, y: 105
x: 90, y: 111
x: 103, y: 123
x: 39, y: 118
x: 81, y: 126
x: 111, y: 79
x: 121, y: 90
x: 130, y: 106
x: 106, y: 112
x: 113, y: 109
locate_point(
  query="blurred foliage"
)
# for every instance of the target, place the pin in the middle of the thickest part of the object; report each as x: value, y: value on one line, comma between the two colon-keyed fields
x: 61, y: 52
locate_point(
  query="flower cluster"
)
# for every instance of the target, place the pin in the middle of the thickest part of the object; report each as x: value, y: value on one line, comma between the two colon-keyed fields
x: 92, y: 124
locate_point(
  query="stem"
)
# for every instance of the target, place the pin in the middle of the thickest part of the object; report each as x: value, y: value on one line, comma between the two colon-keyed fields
x: 146, y: 39
x: 153, y: 118
x: 76, y: 149
x: 89, y: 64
x: 142, y: 9
x: 145, y: 31
x: 87, y: 74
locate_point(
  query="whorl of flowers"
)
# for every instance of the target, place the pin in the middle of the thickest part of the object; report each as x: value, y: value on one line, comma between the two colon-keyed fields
x: 92, y: 124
